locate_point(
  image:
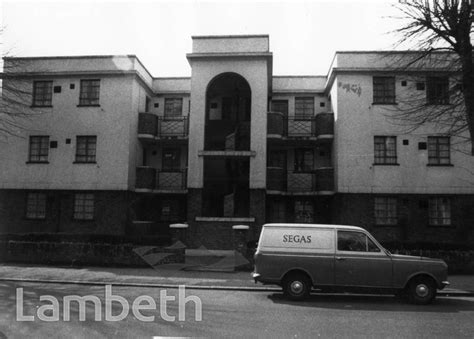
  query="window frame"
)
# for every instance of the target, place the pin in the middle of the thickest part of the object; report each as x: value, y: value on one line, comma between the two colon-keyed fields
x: 437, y: 90
x: 435, y: 217
x: 382, y: 155
x: 176, y: 167
x: 35, y: 213
x: 46, y: 96
x: 80, y: 200
x: 176, y: 111
x: 386, y: 211
x: 305, y: 204
x: 90, y: 97
x: 384, y: 90
x: 278, y: 102
x: 434, y: 155
x: 43, y: 149
x: 306, y: 107
x: 88, y: 158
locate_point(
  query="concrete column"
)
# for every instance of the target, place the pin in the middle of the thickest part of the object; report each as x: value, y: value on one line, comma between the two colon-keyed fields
x: 178, y: 232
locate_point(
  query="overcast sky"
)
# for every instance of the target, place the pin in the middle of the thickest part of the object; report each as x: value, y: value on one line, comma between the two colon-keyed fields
x: 303, y: 34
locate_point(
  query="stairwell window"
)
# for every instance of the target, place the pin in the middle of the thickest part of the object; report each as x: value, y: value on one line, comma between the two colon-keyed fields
x: 385, y: 150
x: 36, y: 206
x: 384, y: 90
x: 439, y: 151
x: 437, y: 90
x: 173, y: 107
x: 385, y: 209
x: 89, y: 93
x: 304, y: 107
x: 42, y: 93
x: 39, y: 149
x: 86, y: 149
x: 84, y: 206
x: 439, y: 211
x: 304, y: 160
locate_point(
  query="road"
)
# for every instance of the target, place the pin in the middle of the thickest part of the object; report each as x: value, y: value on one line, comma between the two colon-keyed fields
x: 236, y: 314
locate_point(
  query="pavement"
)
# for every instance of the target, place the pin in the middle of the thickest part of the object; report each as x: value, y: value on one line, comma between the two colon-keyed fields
x: 170, y: 276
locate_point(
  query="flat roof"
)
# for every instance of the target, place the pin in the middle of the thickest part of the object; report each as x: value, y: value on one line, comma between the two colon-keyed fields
x: 230, y: 36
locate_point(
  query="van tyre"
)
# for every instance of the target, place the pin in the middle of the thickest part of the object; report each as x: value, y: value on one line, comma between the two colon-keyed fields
x: 421, y: 291
x: 296, y: 286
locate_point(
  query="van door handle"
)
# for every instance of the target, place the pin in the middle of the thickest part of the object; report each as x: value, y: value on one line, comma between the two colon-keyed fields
x: 340, y: 258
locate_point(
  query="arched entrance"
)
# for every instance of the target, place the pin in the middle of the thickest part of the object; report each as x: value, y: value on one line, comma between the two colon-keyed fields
x: 226, y: 176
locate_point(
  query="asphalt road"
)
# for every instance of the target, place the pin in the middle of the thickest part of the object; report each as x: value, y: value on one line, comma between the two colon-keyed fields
x: 236, y: 314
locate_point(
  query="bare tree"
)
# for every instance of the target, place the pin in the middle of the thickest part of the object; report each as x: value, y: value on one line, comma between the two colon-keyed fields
x: 440, y: 30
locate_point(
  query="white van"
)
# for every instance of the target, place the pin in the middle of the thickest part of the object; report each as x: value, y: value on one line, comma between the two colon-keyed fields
x: 337, y: 258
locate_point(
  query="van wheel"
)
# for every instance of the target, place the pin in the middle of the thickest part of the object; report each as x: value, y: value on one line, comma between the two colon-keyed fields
x: 421, y: 291
x: 296, y: 286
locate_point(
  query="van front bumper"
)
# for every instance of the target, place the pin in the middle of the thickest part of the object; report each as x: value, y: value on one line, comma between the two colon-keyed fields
x: 256, y: 276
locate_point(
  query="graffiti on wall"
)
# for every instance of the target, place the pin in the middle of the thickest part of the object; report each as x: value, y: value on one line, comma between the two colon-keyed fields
x: 355, y: 88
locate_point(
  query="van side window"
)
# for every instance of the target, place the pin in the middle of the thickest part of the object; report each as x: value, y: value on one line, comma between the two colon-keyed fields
x: 355, y: 242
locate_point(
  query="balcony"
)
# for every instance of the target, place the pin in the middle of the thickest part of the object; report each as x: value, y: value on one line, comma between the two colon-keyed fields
x: 149, y: 179
x: 153, y: 127
x: 317, y: 182
x: 318, y: 127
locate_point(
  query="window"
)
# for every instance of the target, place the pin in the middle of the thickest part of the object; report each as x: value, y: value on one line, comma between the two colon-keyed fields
x: 304, y: 159
x: 438, y: 151
x: 355, y: 241
x: 277, y: 211
x: 304, y: 211
x: 86, y: 149
x: 385, y: 209
x: 147, y: 104
x: 437, y: 90
x: 173, y: 107
x: 170, y: 210
x: 36, y: 206
x: 84, y: 206
x: 304, y: 107
x: 42, y: 93
x: 439, y: 211
x: 277, y: 159
x: 280, y: 106
x: 384, y: 90
x: 171, y: 159
x: 385, y: 150
x: 89, y: 95
x: 39, y: 148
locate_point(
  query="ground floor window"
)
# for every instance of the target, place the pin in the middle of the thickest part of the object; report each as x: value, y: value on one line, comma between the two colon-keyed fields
x: 385, y: 209
x: 304, y: 211
x: 84, y: 206
x: 277, y: 211
x: 170, y: 210
x: 36, y: 206
x: 440, y: 211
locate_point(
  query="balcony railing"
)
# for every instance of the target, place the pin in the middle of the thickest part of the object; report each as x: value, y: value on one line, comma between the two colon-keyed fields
x: 149, y: 178
x: 162, y: 127
x: 297, y: 127
x: 319, y: 180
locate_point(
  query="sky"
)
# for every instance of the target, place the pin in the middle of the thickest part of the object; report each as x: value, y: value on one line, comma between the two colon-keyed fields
x: 304, y: 35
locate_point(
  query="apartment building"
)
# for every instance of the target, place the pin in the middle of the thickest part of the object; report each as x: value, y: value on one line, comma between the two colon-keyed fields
x: 110, y: 149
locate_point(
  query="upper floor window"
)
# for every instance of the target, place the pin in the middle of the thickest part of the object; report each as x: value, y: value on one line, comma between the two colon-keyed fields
x: 280, y: 106
x: 173, y: 107
x: 42, y: 93
x: 86, y: 149
x: 385, y: 150
x: 36, y: 206
x: 437, y: 90
x: 304, y: 107
x: 171, y: 160
x: 89, y: 94
x: 277, y: 158
x: 439, y: 151
x: 304, y: 159
x: 39, y: 148
x: 84, y: 206
x: 439, y: 211
x: 385, y: 209
x: 384, y: 90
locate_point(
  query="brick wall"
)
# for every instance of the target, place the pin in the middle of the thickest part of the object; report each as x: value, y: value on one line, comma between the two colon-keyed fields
x: 111, y: 213
x: 358, y: 209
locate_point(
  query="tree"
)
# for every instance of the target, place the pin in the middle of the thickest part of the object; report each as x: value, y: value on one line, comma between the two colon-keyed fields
x: 441, y: 32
